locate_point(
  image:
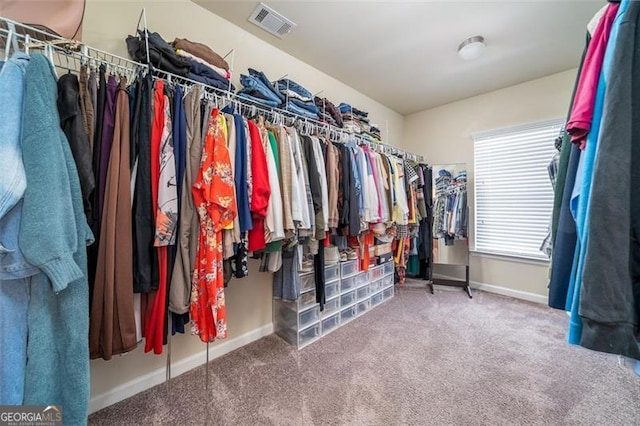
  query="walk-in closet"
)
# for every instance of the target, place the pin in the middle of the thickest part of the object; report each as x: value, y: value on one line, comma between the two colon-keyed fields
x: 319, y: 213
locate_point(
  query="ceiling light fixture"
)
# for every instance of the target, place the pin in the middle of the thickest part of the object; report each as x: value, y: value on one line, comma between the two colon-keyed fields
x: 472, y: 48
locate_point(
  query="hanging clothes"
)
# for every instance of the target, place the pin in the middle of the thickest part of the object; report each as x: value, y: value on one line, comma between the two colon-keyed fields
x: 260, y: 190
x: 187, y: 239
x: 300, y: 200
x: 563, y: 227
x: 164, y: 192
x: 214, y: 198
x: 15, y: 271
x: 582, y: 111
x: 112, y: 329
x: 58, y: 304
x: 71, y: 122
x: 145, y: 256
x: 580, y: 199
x: 608, y: 303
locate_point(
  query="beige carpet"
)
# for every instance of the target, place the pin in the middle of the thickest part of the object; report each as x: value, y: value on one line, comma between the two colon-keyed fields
x: 419, y: 359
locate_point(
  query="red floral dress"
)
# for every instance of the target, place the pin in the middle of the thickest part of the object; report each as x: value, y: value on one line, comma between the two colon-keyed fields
x: 214, y: 197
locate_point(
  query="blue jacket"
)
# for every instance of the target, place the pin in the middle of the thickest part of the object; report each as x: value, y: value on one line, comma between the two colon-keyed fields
x: 12, y: 177
x: 13, y: 181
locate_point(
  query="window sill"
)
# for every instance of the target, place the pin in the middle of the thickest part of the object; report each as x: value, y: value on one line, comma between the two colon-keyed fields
x: 510, y: 258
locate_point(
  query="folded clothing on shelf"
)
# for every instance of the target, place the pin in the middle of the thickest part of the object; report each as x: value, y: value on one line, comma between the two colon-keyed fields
x: 206, y: 75
x: 296, y: 109
x: 344, y: 108
x: 293, y: 89
x: 202, y: 51
x: 328, y: 110
x: 223, y: 73
x: 161, y: 54
x: 257, y: 98
x: 259, y: 75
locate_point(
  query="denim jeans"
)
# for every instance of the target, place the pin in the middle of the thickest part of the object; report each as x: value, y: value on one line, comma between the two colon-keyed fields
x: 301, y: 111
x: 309, y: 106
x: 285, y: 84
x: 269, y: 103
x: 263, y: 78
x: 252, y: 83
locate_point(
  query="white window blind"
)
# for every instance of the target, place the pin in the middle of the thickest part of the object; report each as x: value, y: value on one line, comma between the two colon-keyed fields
x: 513, y: 193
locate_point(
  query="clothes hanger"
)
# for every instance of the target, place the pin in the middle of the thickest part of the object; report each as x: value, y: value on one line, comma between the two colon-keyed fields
x: 7, y: 47
x: 48, y: 50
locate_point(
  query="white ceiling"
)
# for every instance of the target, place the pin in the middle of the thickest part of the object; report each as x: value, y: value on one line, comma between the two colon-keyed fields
x: 404, y: 54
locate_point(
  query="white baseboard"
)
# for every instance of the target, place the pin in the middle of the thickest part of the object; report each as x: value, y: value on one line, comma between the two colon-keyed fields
x: 504, y: 291
x: 158, y: 376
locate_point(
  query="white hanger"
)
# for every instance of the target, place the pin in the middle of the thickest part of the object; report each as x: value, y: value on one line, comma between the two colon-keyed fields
x: 7, y: 47
x: 48, y: 50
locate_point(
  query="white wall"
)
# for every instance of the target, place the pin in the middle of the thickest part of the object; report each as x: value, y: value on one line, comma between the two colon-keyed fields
x: 106, y: 25
x: 443, y: 135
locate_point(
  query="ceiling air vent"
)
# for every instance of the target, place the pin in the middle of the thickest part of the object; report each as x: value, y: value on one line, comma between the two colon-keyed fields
x: 271, y: 21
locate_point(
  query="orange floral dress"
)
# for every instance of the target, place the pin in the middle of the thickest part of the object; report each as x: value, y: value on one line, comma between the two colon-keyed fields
x: 214, y: 197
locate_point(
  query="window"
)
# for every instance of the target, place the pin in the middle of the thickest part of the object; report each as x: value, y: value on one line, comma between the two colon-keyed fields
x: 513, y: 193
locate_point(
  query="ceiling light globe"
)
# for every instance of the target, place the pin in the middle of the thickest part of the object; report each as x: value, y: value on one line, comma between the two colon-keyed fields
x: 472, y: 48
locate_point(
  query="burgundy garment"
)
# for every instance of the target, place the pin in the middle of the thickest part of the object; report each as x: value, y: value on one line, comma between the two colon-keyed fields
x: 106, y: 140
x: 581, y: 116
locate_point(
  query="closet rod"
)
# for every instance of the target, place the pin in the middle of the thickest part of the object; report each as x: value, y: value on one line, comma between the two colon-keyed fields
x: 11, y: 30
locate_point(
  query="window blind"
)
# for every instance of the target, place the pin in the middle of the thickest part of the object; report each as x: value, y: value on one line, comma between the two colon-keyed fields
x: 513, y: 193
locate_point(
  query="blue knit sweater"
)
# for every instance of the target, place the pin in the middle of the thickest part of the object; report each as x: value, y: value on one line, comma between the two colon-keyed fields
x: 48, y: 234
x: 53, y: 236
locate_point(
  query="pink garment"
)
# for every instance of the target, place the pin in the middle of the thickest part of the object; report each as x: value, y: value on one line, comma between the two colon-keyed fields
x: 582, y: 112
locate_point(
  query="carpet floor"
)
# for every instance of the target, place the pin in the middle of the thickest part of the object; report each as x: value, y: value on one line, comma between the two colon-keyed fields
x: 418, y: 359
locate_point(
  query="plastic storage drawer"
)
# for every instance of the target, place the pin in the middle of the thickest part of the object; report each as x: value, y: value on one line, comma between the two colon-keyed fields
x: 376, y: 286
x: 387, y: 293
x: 349, y: 268
x: 363, y: 292
x: 387, y: 281
x: 309, y: 335
x: 362, y: 278
x: 307, y: 282
x: 348, y: 314
x: 330, y: 323
x: 286, y: 317
x: 363, y: 306
x: 308, y: 317
x: 348, y: 298
x: 332, y: 273
x: 306, y: 299
x: 376, y: 273
x: 331, y: 307
x: 347, y: 284
x: 376, y: 299
x: 332, y: 290
x: 387, y: 268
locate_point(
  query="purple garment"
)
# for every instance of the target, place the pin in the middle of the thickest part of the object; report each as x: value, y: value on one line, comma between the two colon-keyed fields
x: 106, y: 141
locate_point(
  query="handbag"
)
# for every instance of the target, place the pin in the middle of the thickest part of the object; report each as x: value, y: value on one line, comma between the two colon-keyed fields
x: 60, y: 17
